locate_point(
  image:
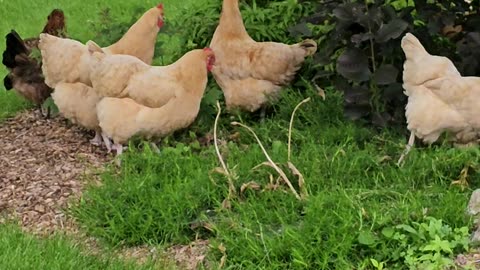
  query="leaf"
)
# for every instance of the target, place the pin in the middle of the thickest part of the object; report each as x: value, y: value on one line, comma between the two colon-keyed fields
x: 353, y: 65
x: 356, y: 102
x: 391, y: 30
x: 300, y: 30
x: 407, y: 228
x: 371, y: 19
x: 388, y: 232
x: 385, y: 74
x: 393, y: 91
x: 223, y: 260
x: 359, y: 38
x: 434, y: 25
x: 301, y: 179
x: 342, y: 13
x: 366, y: 238
x: 355, y: 113
x: 381, y: 119
x: 322, y: 57
x: 358, y: 95
x: 250, y: 185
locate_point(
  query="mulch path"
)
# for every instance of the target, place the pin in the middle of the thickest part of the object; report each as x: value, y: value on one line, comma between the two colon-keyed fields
x: 44, y: 164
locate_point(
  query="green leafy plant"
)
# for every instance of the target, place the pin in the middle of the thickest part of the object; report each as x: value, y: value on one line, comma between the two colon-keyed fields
x: 426, y: 245
x: 267, y: 21
x: 360, y: 51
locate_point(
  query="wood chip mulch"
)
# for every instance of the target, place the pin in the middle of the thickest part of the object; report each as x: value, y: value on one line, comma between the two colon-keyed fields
x: 42, y: 162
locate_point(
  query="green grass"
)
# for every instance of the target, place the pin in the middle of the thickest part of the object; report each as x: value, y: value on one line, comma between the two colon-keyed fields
x: 22, y: 251
x: 352, y: 189
x: 355, y: 188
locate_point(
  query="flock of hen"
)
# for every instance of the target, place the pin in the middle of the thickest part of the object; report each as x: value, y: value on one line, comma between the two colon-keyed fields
x: 122, y: 95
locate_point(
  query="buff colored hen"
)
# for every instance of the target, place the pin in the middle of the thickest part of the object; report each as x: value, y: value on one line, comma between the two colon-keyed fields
x: 250, y: 73
x: 122, y: 118
x: 67, y: 60
x: 67, y: 64
x: 153, y: 86
x: 439, y: 98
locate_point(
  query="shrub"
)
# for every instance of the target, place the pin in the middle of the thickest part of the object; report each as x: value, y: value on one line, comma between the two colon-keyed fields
x: 360, y: 51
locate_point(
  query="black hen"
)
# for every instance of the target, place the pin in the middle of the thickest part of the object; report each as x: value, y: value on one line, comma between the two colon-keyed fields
x: 25, y: 72
x: 15, y: 46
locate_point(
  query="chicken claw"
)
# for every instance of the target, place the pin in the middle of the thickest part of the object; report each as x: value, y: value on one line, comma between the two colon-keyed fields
x: 108, y: 143
x: 97, y: 140
x: 119, y: 148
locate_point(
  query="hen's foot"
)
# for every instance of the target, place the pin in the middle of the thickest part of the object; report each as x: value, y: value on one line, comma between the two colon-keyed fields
x: 108, y: 143
x: 119, y: 148
x: 97, y: 140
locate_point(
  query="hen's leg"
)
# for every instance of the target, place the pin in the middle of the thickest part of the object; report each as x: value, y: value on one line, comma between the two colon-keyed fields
x: 408, y: 147
x: 48, y: 113
x: 40, y: 111
x: 119, y: 148
x: 108, y: 143
x: 263, y: 112
x: 97, y: 140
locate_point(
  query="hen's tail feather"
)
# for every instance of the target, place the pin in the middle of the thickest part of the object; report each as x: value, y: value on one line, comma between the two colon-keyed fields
x: 412, y: 47
x: 15, y: 46
x: 310, y: 46
x: 8, y: 83
x: 93, y: 47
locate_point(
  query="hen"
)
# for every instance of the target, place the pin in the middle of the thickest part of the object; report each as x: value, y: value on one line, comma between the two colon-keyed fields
x: 152, y: 86
x: 126, y: 76
x: 439, y: 98
x: 250, y: 73
x: 67, y: 97
x: 25, y: 73
x: 66, y: 60
x: 122, y: 118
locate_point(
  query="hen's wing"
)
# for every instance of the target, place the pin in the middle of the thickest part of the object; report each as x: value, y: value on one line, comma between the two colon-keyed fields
x: 153, y: 88
x: 67, y: 96
x: 64, y: 60
x: 461, y: 94
x: 271, y: 61
x: 111, y: 75
x: 428, y: 116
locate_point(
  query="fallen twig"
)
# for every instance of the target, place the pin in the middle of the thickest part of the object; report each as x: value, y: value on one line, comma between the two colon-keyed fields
x: 291, y: 125
x: 291, y: 166
x: 273, y: 165
x: 231, y: 186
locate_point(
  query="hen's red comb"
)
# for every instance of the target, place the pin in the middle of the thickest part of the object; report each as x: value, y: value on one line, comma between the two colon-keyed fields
x: 207, y: 49
x: 160, y: 6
